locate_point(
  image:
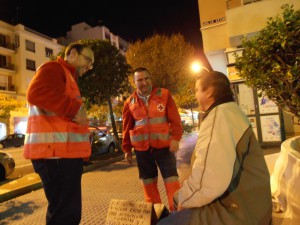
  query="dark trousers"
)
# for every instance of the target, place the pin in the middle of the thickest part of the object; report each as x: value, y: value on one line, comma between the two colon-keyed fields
x: 149, y: 160
x: 61, y: 180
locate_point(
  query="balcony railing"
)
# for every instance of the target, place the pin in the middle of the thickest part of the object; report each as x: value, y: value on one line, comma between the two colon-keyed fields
x: 8, y: 66
x: 7, y: 87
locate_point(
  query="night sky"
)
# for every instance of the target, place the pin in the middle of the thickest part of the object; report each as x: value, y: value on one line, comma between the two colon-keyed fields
x: 130, y: 19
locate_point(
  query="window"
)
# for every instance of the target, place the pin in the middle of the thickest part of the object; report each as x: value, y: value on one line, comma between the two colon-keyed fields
x: 3, y: 82
x: 2, y: 40
x: 107, y: 36
x: 2, y: 61
x: 30, y: 64
x: 48, y: 52
x: 122, y: 47
x: 30, y: 46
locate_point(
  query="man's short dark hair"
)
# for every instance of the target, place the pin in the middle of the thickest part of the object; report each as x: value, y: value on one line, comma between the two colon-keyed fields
x: 219, y: 81
x: 140, y: 69
x: 77, y: 45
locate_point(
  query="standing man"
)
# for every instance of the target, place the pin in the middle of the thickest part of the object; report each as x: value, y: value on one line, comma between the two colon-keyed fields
x: 152, y: 126
x: 57, y: 137
x: 229, y: 181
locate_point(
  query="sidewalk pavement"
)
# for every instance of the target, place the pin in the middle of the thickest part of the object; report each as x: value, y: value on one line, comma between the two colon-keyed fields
x: 32, y: 181
x: 100, y: 183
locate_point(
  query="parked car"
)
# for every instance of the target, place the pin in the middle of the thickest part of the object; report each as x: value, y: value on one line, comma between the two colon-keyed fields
x: 101, y: 140
x: 12, y: 140
x: 187, y: 119
x: 7, y: 165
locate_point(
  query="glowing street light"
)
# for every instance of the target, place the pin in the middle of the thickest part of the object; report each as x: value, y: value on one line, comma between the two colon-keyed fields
x: 196, y: 67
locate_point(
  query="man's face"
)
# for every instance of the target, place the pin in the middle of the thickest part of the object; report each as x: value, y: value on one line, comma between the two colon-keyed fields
x: 200, y: 95
x: 143, y: 82
x: 85, y: 61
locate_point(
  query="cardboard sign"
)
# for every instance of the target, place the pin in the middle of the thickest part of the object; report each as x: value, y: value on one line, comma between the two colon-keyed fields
x: 125, y: 212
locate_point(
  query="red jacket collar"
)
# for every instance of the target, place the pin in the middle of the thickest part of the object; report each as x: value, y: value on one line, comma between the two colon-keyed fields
x: 70, y: 67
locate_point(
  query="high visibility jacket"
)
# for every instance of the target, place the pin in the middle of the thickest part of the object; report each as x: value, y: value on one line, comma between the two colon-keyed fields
x: 152, y: 124
x: 50, y: 135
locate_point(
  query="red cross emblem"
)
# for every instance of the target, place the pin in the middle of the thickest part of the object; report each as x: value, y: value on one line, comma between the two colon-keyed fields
x: 160, y: 107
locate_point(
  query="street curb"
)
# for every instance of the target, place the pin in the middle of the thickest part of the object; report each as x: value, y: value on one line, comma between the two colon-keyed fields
x: 102, y: 163
x: 35, y: 185
x: 20, y: 191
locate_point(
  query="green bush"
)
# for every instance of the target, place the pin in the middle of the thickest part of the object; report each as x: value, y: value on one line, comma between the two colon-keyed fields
x: 271, y: 60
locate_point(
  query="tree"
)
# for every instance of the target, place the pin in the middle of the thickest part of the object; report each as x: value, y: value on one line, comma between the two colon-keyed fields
x: 271, y: 60
x: 168, y: 59
x: 9, y: 103
x: 107, y: 79
x: 185, y: 98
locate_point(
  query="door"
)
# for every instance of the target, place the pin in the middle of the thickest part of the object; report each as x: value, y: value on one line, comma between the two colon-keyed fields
x: 264, y: 115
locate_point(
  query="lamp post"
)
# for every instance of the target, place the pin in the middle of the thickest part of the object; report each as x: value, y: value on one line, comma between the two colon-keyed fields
x: 196, y: 67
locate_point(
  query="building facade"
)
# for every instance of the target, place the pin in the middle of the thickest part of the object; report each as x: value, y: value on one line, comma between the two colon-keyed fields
x: 83, y: 31
x: 224, y: 22
x: 22, y: 50
x: 223, y: 25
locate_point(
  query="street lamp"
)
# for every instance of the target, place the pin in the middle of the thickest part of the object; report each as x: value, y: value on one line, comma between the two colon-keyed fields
x: 196, y: 67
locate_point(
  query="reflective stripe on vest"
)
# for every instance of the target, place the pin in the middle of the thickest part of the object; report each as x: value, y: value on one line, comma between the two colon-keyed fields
x: 155, y: 120
x: 159, y: 136
x: 153, y: 136
x: 35, y: 111
x: 56, y: 137
x: 140, y: 137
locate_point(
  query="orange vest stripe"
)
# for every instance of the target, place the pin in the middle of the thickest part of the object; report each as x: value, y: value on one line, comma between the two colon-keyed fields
x: 56, y: 137
x: 46, y: 125
x: 145, y: 121
x: 76, y: 150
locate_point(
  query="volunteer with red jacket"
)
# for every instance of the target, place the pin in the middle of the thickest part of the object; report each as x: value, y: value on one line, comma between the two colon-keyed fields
x: 152, y: 126
x: 57, y: 136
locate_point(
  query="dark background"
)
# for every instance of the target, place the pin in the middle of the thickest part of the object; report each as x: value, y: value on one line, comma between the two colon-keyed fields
x: 130, y: 19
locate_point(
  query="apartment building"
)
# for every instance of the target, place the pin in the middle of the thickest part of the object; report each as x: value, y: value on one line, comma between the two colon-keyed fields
x: 223, y: 24
x: 22, y: 50
x: 83, y: 31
